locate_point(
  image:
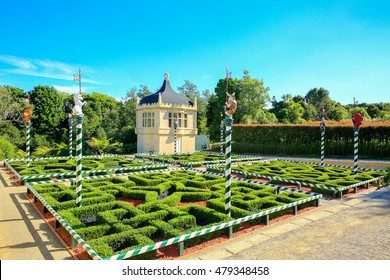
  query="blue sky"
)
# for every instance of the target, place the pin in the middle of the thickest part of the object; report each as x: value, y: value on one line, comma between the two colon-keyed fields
x: 293, y: 46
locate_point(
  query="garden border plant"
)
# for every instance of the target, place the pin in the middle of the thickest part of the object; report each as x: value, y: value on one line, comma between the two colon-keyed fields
x: 148, y: 248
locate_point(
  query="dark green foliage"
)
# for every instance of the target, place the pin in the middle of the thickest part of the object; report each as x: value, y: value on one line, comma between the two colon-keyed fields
x: 107, y: 246
x: 94, y: 232
x: 374, y: 142
x: 183, y: 222
x: 66, y: 199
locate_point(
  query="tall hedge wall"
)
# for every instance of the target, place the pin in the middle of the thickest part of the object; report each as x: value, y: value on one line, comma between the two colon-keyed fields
x: 374, y: 142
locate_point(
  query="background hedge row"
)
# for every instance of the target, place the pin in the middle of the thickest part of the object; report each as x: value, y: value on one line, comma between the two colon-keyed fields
x: 374, y: 142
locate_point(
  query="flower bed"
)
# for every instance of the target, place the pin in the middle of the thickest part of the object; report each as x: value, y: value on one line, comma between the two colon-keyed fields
x: 329, y: 179
x: 65, y: 167
x: 196, y: 159
x: 167, y: 211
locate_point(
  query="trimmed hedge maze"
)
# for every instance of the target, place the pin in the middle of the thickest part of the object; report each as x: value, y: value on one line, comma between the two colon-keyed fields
x: 312, y: 175
x: 168, y: 205
x: 66, y: 167
x: 196, y: 159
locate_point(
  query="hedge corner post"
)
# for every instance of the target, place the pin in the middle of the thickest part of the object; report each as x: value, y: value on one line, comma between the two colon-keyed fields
x: 357, y: 121
x: 27, y: 115
x: 322, y: 127
x: 70, y: 120
x: 79, y: 103
x: 230, y: 109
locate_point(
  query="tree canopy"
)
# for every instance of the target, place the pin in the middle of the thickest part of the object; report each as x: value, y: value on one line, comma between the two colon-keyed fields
x: 109, y: 120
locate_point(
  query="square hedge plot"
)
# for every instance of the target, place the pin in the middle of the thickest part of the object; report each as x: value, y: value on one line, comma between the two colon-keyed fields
x: 121, y: 215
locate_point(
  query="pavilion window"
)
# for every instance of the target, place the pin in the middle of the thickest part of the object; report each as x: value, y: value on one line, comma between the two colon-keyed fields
x: 148, y: 119
x: 181, y: 119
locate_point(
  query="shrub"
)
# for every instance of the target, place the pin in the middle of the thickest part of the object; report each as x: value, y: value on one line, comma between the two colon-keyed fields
x: 94, y: 232
x: 183, y: 222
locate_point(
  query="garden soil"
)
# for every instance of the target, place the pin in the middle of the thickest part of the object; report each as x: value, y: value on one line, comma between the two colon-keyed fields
x: 355, y: 227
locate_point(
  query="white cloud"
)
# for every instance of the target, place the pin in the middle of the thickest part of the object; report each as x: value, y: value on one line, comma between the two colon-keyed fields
x: 45, y: 68
x: 20, y: 63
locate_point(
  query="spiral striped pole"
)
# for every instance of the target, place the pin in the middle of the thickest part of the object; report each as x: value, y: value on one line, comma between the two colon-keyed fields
x: 221, y: 139
x: 356, y: 149
x: 228, y: 167
x: 70, y: 135
x: 322, y: 127
x: 230, y: 108
x: 28, y: 126
x: 79, y: 159
x: 26, y: 116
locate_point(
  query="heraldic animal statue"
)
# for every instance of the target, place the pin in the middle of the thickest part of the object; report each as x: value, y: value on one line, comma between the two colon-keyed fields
x: 231, y: 104
x: 79, y: 104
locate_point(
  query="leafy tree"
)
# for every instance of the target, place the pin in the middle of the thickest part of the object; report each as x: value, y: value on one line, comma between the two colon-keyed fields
x: 61, y: 149
x: 373, y: 110
x: 319, y: 98
x: 12, y: 133
x: 266, y: 117
x: 39, y: 140
x: 42, y: 151
x: 338, y: 112
x: 190, y: 90
x: 7, y: 149
x: 215, y: 106
x: 287, y: 110
x: 47, y: 113
x: 127, y: 106
x: 128, y: 138
x: 252, y: 98
x: 102, y: 146
x: 102, y: 112
x: 13, y: 101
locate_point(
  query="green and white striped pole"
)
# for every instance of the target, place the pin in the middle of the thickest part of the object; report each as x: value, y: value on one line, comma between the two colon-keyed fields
x: 228, y: 167
x: 357, y: 121
x: 356, y: 151
x: 230, y: 109
x: 79, y: 159
x: 221, y: 138
x: 322, y: 127
x: 28, y: 125
x: 70, y: 120
x: 27, y: 115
